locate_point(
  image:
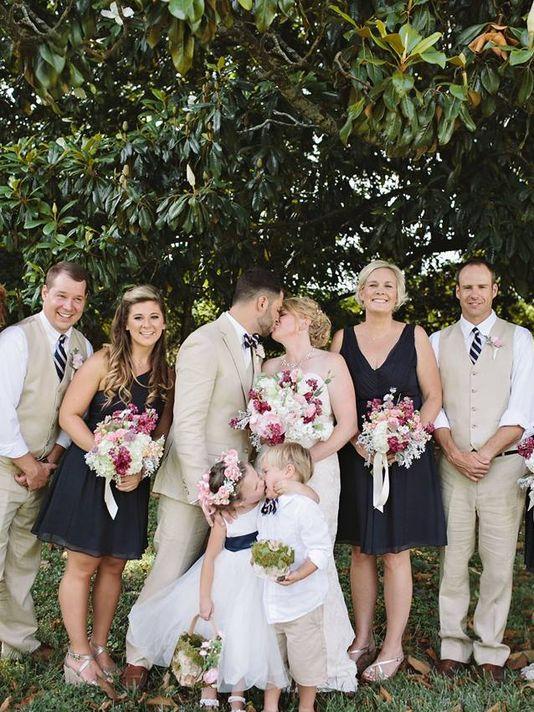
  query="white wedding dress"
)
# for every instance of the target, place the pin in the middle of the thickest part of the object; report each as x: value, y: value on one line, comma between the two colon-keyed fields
x: 339, y: 634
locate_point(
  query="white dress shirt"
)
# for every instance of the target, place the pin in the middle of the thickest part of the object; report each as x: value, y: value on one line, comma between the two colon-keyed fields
x: 241, y: 331
x: 299, y: 523
x: 520, y: 410
x: 13, y: 366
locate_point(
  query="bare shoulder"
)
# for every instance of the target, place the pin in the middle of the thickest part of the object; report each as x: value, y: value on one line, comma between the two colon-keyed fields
x: 272, y: 365
x: 420, y: 335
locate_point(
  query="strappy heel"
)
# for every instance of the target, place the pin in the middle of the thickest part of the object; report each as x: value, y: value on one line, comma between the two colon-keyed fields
x: 237, y: 698
x: 73, y: 676
x: 208, y: 702
x: 363, y: 656
x: 369, y: 674
x: 98, y: 650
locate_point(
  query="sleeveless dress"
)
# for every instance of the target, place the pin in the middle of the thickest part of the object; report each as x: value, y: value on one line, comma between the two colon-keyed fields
x: 341, y: 670
x: 413, y: 515
x: 74, y: 515
x: 250, y: 654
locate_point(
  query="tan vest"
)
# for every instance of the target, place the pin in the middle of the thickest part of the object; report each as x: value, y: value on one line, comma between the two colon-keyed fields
x: 42, y: 393
x: 475, y: 396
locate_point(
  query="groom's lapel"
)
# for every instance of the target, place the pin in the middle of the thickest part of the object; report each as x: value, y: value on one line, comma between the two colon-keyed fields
x: 235, y: 350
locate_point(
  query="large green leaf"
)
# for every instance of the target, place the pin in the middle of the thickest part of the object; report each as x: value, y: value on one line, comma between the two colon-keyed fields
x: 432, y: 56
x: 403, y: 83
x: 53, y: 59
x: 410, y: 37
x: 425, y: 44
x: 520, y: 56
x: 264, y: 13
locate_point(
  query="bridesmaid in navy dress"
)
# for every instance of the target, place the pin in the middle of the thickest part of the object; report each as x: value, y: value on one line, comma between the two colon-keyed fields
x: 381, y: 354
x: 131, y: 369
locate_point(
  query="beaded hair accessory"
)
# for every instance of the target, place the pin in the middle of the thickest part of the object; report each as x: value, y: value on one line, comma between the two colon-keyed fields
x: 233, y: 473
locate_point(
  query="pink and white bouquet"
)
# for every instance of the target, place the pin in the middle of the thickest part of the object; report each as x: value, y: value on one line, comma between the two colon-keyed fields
x: 526, y: 450
x: 392, y: 428
x: 286, y: 406
x: 124, y: 446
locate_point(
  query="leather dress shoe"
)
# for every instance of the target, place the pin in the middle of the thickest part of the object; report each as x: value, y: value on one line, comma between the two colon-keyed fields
x: 134, y: 677
x: 450, y: 668
x: 43, y: 653
x: 496, y: 672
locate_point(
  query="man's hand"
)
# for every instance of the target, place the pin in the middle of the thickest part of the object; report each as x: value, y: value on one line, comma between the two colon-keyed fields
x: 470, y: 464
x: 55, y: 454
x: 35, y: 475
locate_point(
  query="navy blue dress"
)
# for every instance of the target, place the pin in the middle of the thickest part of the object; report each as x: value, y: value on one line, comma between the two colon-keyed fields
x: 413, y: 516
x: 74, y: 514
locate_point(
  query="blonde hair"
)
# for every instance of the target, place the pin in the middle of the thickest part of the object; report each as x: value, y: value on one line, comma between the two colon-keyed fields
x: 379, y: 264
x: 288, y: 453
x: 121, y: 369
x: 307, y: 308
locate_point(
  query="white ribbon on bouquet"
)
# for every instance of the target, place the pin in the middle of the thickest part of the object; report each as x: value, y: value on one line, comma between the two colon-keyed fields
x: 109, y: 499
x: 380, y: 480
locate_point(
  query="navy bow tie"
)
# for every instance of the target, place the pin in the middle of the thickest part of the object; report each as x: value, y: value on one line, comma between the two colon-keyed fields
x: 251, y: 341
x: 269, y: 506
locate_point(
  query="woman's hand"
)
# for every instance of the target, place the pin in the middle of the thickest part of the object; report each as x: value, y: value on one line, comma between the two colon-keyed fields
x: 129, y: 482
x: 205, y: 608
x: 364, y: 452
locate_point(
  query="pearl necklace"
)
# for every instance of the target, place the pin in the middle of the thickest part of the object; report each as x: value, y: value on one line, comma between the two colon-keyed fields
x: 295, y: 364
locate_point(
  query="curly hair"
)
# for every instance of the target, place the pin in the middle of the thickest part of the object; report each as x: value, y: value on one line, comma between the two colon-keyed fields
x: 307, y: 308
x: 119, y: 377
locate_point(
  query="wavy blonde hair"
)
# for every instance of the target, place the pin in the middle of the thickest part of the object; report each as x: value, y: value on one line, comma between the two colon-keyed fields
x: 120, y: 375
x: 306, y: 308
x: 288, y: 453
x: 379, y: 264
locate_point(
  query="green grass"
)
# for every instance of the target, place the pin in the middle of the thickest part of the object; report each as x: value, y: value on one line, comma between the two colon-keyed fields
x: 39, y: 687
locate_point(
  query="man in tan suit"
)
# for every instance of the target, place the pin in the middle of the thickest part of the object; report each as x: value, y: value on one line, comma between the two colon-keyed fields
x: 36, y: 366
x: 215, y: 369
x: 487, y: 372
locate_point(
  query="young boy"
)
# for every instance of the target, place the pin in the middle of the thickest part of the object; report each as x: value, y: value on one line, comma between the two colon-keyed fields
x: 294, y: 605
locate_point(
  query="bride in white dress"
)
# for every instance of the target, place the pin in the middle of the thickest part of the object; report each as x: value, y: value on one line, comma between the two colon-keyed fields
x: 303, y: 329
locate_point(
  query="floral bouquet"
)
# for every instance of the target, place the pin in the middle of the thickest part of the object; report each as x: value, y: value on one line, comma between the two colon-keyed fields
x: 195, y: 660
x: 526, y: 450
x: 271, y: 559
x: 392, y: 429
x: 286, y: 406
x: 124, y: 447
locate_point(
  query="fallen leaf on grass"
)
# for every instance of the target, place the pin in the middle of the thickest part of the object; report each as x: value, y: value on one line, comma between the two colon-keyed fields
x: 528, y: 686
x: 421, y: 680
x: 529, y: 655
x: 517, y: 661
x: 419, y: 665
x: 431, y: 654
x: 166, y: 680
x: 384, y: 694
x: 5, y: 704
x: 162, y: 702
x: 497, y: 707
x: 457, y: 708
x: 105, y: 705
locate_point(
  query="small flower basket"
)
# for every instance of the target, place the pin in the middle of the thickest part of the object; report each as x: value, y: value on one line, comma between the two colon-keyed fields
x: 195, y: 661
x: 271, y: 559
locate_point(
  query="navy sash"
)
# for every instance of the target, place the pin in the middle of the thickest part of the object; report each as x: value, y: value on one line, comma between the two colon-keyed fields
x: 239, y: 543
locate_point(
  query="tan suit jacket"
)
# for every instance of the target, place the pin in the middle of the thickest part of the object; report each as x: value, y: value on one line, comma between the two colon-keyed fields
x: 212, y: 384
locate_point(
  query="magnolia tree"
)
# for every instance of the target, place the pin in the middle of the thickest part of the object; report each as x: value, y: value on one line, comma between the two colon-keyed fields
x: 177, y: 142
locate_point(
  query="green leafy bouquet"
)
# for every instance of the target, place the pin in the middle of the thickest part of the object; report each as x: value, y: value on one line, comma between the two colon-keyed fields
x: 271, y: 559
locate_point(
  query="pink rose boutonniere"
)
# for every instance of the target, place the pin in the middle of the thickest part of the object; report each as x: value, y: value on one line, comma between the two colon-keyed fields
x: 495, y: 344
x: 76, y: 359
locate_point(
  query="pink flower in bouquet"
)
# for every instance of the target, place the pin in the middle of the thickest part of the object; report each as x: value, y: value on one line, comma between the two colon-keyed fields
x: 210, y: 676
x: 122, y: 460
x: 526, y: 448
x: 396, y: 445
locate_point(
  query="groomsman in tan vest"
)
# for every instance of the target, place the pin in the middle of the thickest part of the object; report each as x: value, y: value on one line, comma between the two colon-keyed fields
x: 487, y: 370
x: 38, y: 357
x: 215, y: 369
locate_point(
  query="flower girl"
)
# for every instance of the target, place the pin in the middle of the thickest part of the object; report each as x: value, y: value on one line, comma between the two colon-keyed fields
x: 223, y: 588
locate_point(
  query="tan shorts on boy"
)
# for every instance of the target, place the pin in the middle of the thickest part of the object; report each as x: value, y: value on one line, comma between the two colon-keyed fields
x: 302, y: 645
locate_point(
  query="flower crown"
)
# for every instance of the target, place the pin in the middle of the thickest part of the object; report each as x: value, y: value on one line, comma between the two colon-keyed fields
x: 233, y: 473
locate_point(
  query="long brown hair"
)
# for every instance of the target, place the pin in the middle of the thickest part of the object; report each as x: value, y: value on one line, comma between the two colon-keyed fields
x: 121, y: 369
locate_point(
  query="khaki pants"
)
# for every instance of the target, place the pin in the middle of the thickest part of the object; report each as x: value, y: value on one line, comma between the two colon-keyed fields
x: 178, y: 541
x: 496, y: 503
x: 20, y: 555
x: 303, y: 647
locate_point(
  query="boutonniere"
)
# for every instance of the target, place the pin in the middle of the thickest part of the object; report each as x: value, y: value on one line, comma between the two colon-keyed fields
x: 260, y: 351
x: 495, y: 344
x: 75, y: 359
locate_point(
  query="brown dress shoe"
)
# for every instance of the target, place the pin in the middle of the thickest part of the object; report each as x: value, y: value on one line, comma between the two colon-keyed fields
x: 450, y: 668
x: 134, y: 677
x: 43, y: 653
x: 496, y: 672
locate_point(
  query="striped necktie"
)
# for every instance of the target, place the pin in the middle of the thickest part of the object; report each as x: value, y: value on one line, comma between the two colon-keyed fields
x: 60, y: 357
x: 476, y: 345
